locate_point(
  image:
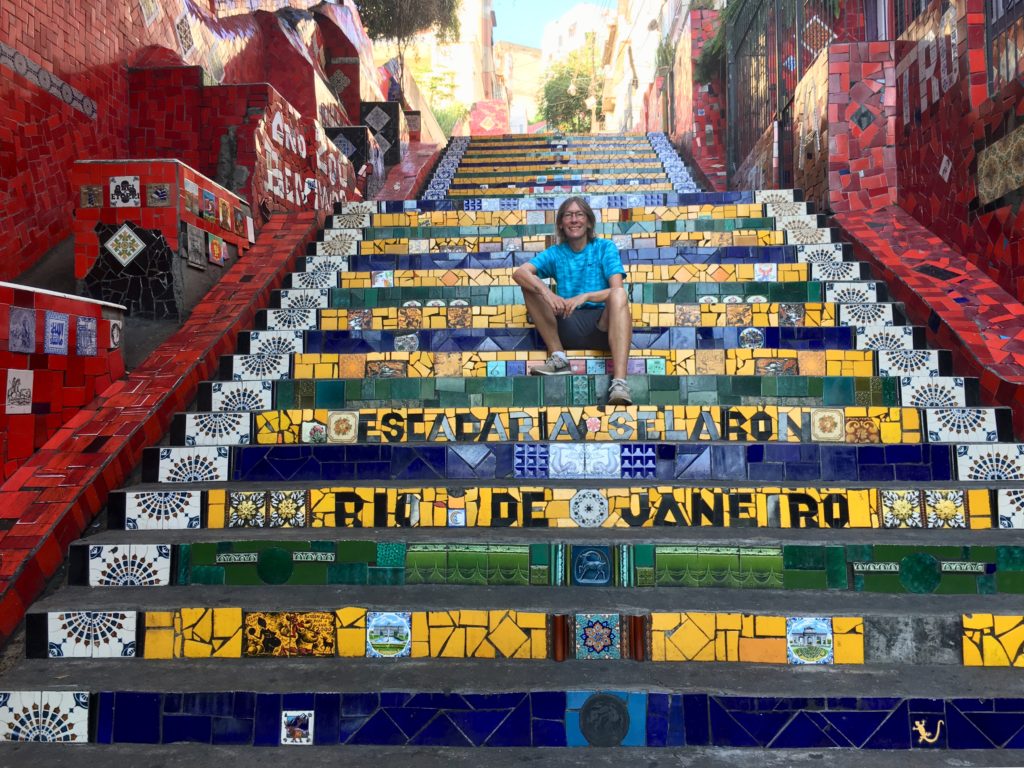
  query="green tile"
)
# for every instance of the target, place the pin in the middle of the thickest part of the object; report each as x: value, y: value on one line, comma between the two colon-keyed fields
x: 347, y: 573
x: 883, y: 582
x: 357, y: 551
x: 385, y: 576
x: 1009, y: 559
x: 804, y: 580
x: 1011, y: 582
x: 836, y: 568
x: 919, y: 570
x: 803, y: 558
x: 207, y: 574
x: 467, y: 565
x: 184, y: 564
x: 426, y: 564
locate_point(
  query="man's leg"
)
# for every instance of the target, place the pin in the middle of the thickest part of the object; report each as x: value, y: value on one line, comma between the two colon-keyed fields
x: 544, y: 321
x: 618, y: 322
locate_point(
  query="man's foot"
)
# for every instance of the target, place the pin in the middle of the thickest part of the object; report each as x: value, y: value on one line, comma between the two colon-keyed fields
x: 556, y: 365
x: 619, y: 394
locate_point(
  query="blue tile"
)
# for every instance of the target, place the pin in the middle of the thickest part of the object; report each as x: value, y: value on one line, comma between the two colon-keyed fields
x: 926, y: 706
x: 801, y: 732
x: 207, y: 703
x: 762, y: 726
x: 412, y: 719
x: 495, y: 700
x: 267, y: 723
x: 696, y: 720
x: 548, y: 705
x: 136, y: 718
x: 961, y: 733
x: 349, y: 725
x: 197, y: 728
x: 441, y: 732
x: 232, y: 730
x: 515, y: 730
x: 327, y: 718
x: 725, y: 731
x: 172, y: 703
x: 105, y: 718
x: 999, y: 727
x: 478, y: 724
x: 549, y: 733
x: 379, y: 729
x: 894, y: 732
x: 857, y: 727
x: 245, y: 704
x: 390, y: 699
x: 636, y: 705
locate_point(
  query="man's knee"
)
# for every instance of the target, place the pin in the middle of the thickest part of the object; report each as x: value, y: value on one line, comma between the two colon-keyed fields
x: 617, y: 298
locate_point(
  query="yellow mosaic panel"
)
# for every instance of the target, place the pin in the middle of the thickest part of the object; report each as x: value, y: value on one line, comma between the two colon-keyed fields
x: 637, y: 273
x: 525, y: 218
x: 194, y: 633
x: 479, y: 634
x: 471, y: 243
x: 351, y: 628
x: 993, y: 640
x: 745, y: 638
x: 794, y: 424
x: 290, y: 633
x: 641, y: 506
x: 515, y: 316
x: 683, y: 362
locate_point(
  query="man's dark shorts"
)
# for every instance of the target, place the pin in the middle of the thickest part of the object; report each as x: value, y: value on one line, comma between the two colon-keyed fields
x: 579, y: 330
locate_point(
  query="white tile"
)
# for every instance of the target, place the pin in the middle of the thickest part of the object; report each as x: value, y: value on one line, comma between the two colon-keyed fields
x: 934, y: 392
x: 162, y: 510
x: 218, y: 428
x: 193, y: 465
x: 990, y: 463
x: 961, y: 425
x: 241, y: 396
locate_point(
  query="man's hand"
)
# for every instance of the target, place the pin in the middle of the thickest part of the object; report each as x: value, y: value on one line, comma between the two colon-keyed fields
x: 556, y: 302
x: 571, y: 305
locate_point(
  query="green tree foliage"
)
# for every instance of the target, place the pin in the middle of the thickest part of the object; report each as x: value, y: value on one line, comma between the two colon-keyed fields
x: 564, y: 94
x: 401, y: 20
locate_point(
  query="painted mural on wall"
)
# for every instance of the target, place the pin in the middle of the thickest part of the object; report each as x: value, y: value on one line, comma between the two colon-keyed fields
x: 810, y: 133
x: 760, y: 169
x: 956, y: 144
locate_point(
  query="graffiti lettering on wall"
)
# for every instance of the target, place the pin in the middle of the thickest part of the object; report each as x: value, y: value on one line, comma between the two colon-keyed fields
x: 296, y: 177
x: 936, y: 50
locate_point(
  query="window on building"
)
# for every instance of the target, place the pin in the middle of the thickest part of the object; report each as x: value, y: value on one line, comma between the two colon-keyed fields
x: 1006, y: 40
x: 906, y: 12
x: 876, y: 20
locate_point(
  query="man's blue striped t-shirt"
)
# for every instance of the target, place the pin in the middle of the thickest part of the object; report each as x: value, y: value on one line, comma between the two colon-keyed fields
x: 583, y: 272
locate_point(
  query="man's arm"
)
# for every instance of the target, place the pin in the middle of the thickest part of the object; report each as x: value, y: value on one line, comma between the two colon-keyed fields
x: 527, y: 279
x: 598, y: 297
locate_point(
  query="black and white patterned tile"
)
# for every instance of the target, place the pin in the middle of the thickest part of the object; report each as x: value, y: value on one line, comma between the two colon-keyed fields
x: 908, y: 362
x: 892, y: 337
x: 291, y: 319
x: 46, y: 80
x: 961, y: 425
x: 1010, y: 507
x: 990, y: 463
x: 937, y: 392
x: 91, y: 634
x: 192, y: 464
x: 241, y: 396
x: 218, y: 428
x: 162, y: 510
x: 129, y: 565
x: 826, y: 253
x: 875, y: 314
x: 851, y: 291
x: 47, y: 716
x: 276, y: 342
x: 256, y: 367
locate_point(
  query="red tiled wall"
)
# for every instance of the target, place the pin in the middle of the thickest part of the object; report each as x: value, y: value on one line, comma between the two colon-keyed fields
x: 844, y: 120
x: 945, y: 111
x: 699, y: 128
x: 89, y: 50
x: 488, y: 118
x: 62, y: 384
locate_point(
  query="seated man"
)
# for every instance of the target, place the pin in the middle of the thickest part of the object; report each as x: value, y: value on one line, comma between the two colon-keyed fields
x: 590, y: 310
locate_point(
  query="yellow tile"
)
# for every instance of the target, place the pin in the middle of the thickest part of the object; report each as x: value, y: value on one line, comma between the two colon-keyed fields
x: 419, y: 626
x: 226, y: 621
x: 531, y: 620
x: 351, y: 642
x: 663, y: 621
x: 728, y: 621
x: 770, y: 626
x: 1003, y: 624
x: 763, y: 650
x: 159, y: 619
x: 193, y: 649
x: 992, y: 652
x: 351, y: 616
x: 508, y: 637
x: 438, y: 636
x: 1012, y: 640
x: 844, y: 624
x: 848, y: 649
x: 159, y: 643
x: 977, y: 620
x: 455, y: 646
x: 485, y: 651
x: 692, y: 642
x: 539, y: 644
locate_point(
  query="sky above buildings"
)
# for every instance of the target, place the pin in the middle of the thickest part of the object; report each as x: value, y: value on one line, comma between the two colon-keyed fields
x: 522, y: 21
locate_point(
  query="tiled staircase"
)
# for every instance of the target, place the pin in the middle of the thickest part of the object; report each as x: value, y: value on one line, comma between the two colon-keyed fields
x: 451, y: 552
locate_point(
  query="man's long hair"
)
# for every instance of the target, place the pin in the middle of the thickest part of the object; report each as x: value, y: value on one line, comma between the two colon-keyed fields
x: 585, y: 207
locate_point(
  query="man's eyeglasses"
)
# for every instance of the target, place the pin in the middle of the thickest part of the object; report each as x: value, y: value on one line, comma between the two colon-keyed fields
x: 574, y: 215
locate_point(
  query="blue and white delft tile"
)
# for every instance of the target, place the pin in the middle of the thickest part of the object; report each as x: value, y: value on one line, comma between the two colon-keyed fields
x: 91, y: 634
x: 566, y: 461
x: 588, y: 508
x: 49, y: 716
x: 603, y: 460
x: 55, y: 333
x: 343, y: 243
x: 908, y: 362
x: 598, y: 636
x: 990, y: 463
x: 241, y: 396
x: 276, y: 342
x: 21, y: 330
x: 162, y: 510
x: 388, y: 634
x: 85, y: 336
x: 892, y: 337
x: 852, y: 291
x: 1010, y: 508
x: 292, y: 319
x: 193, y: 465
x: 809, y: 640
x: 260, y: 367
x: 961, y: 425
x: 868, y: 315
x: 218, y: 428
x: 18, y: 391
x: 937, y: 392
x: 135, y: 565
x: 305, y: 298
x: 806, y: 234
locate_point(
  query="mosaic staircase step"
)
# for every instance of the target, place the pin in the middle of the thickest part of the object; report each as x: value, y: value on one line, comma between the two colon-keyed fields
x: 742, y: 509
x: 539, y: 561
x: 831, y: 255
x: 780, y: 198
x: 755, y: 314
x: 639, y: 293
x: 610, y: 462
x: 527, y: 392
x: 700, y: 423
x: 500, y: 337
x: 909, y: 363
